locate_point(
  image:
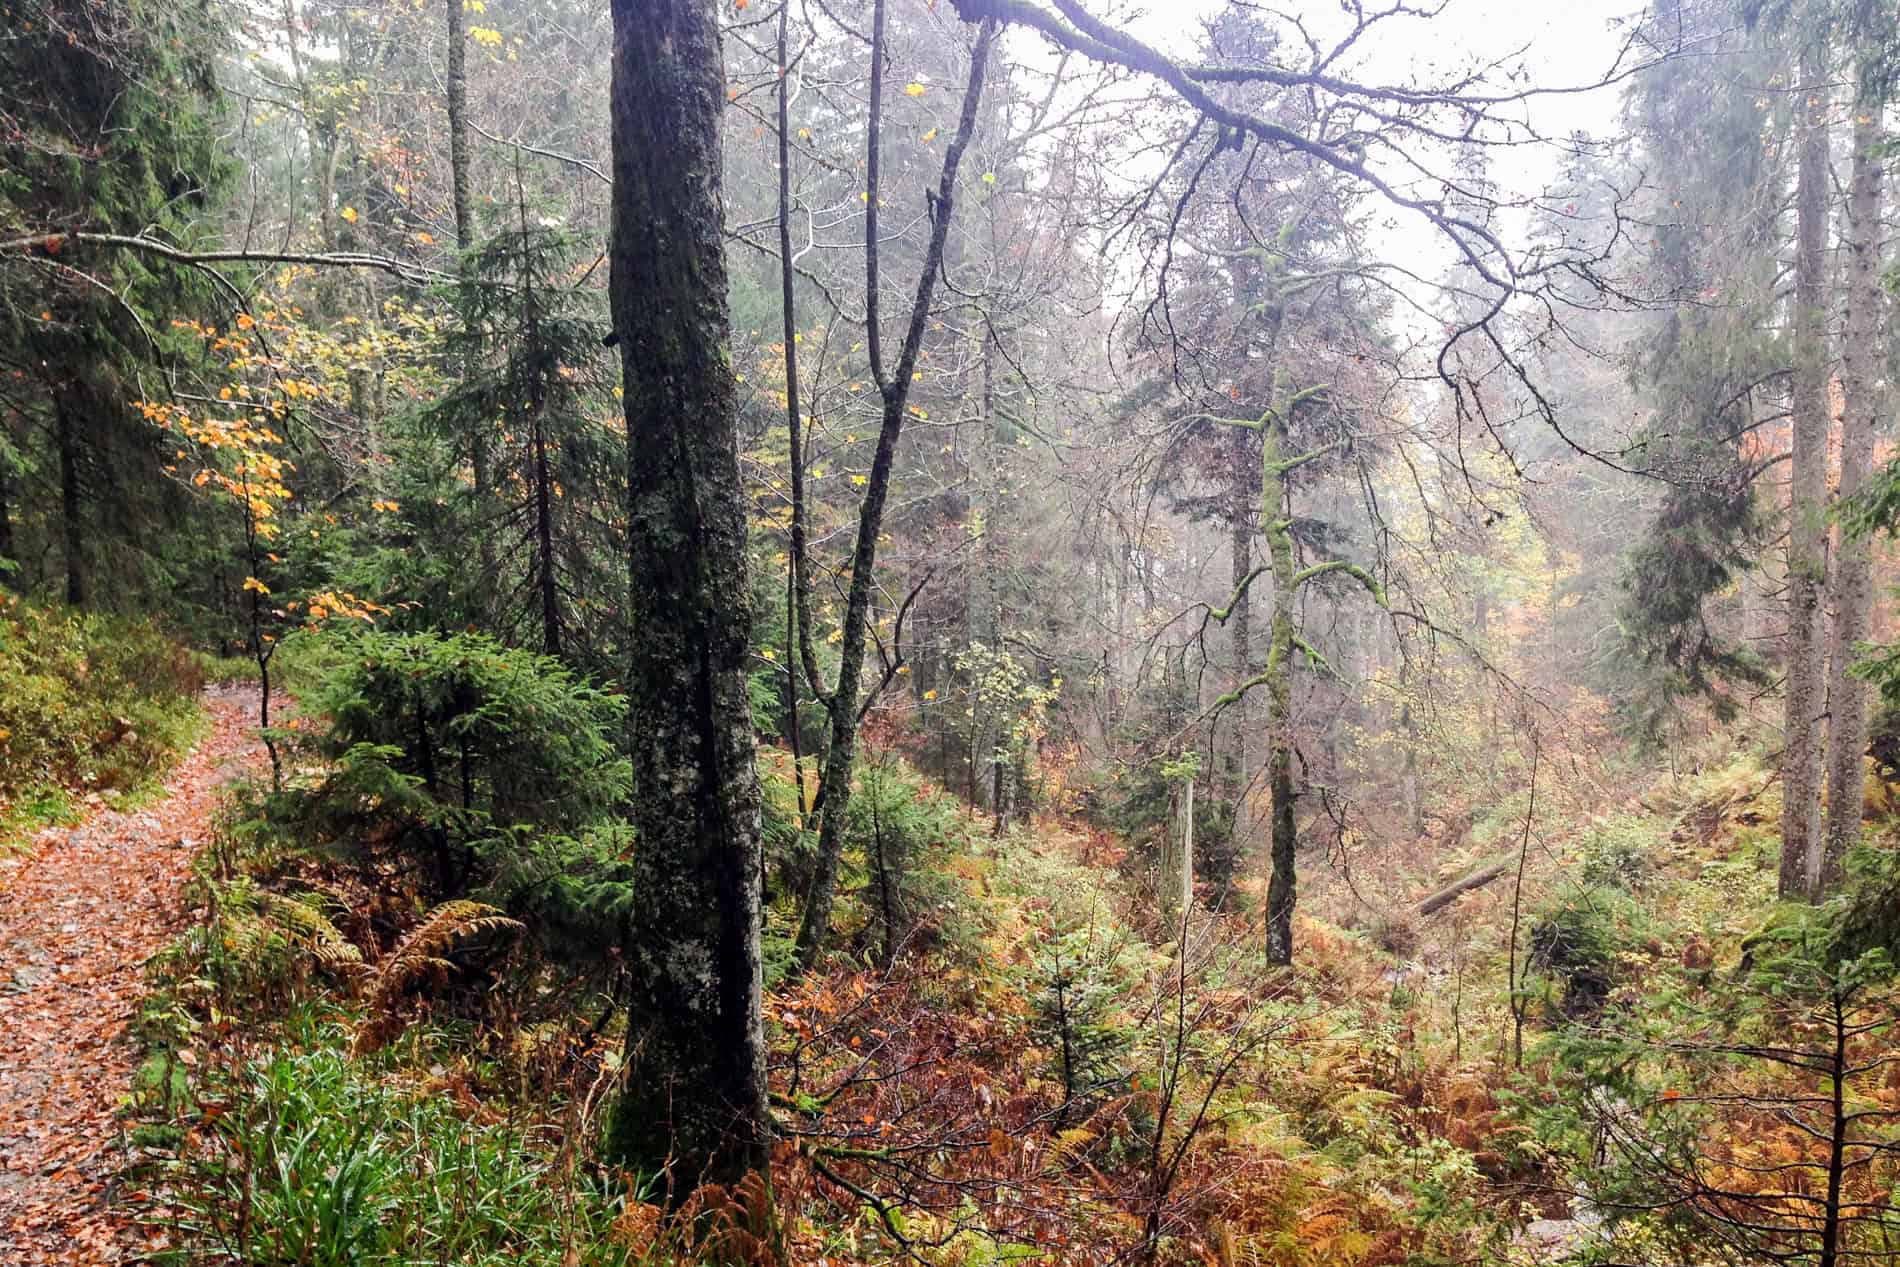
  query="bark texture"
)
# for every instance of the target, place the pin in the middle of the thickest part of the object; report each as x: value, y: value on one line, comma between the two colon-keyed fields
x: 1854, y: 566
x: 1807, y: 563
x: 694, y: 1102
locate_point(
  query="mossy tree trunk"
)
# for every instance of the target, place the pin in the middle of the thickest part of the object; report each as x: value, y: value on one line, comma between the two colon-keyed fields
x: 1244, y: 524
x: 1285, y: 578
x: 694, y: 1103
x: 1282, y: 886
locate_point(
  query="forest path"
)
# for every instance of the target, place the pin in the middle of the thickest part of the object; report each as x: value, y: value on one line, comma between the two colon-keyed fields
x: 79, y: 915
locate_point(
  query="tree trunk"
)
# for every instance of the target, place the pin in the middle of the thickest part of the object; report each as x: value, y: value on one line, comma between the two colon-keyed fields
x: 1176, y: 880
x: 541, y: 371
x: 1854, y: 567
x: 457, y: 102
x: 1281, y: 886
x: 1841, y: 1119
x: 894, y: 390
x: 9, y: 555
x: 985, y: 600
x: 694, y: 1102
x: 1243, y: 520
x: 1408, y: 764
x: 1246, y: 518
x: 73, y: 534
x: 548, y: 580
x: 1801, y: 756
x: 797, y: 600
x: 1452, y: 892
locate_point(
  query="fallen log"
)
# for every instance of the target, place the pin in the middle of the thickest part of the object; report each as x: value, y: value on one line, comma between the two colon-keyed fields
x: 1449, y: 894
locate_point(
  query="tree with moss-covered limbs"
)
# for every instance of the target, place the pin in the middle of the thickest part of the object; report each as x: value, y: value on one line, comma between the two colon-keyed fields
x: 1286, y: 577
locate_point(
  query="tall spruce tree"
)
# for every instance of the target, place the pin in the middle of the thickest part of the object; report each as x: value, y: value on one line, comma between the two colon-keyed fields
x: 111, y: 112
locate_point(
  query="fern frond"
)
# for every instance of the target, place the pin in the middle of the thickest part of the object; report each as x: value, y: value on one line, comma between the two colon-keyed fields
x: 423, y: 958
x: 1068, y: 1146
x: 306, y: 924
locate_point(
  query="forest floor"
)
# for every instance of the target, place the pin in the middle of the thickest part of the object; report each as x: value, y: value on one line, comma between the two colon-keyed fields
x: 80, y: 913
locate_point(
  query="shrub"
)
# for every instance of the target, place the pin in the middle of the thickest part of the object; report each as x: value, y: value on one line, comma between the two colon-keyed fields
x: 893, y: 819
x: 1616, y: 854
x: 458, y: 753
x: 1866, y: 915
x: 88, y: 703
x: 1083, y: 979
x: 1579, y: 943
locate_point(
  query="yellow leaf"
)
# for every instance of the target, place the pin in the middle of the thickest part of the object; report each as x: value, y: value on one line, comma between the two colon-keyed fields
x: 929, y: 695
x: 859, y: 481
x: 913, y: 89
x: 929, y: 136
x: 989, y: 178
x: 348, y: 214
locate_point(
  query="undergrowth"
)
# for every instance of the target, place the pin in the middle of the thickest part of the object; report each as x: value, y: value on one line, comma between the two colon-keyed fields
x: 1003, y: 1055
x: 92, y: 709
x: 302, y: 1155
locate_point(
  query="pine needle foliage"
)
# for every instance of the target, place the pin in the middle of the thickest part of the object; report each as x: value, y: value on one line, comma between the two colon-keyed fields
x: 476, y: 762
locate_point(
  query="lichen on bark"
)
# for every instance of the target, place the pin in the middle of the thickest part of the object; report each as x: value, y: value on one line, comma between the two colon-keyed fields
x: 694, y: 1099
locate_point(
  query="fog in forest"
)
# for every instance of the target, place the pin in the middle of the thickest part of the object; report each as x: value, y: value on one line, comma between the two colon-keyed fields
x: 770, y: 633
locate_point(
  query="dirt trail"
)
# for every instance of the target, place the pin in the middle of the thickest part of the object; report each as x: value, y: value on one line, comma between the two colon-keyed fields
x: 79, y: 915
